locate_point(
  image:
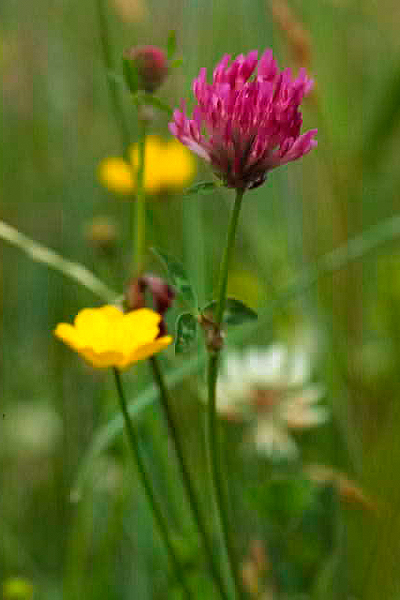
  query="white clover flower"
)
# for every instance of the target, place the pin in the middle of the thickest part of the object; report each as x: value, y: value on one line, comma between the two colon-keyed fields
x: 271, y: 388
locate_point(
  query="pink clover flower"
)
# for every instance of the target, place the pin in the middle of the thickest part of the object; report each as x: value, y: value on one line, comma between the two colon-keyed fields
x: 243, y: 125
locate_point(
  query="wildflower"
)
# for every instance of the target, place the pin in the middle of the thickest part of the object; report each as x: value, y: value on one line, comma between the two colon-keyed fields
x: 106, y: 337
x: 151, y: 66
x: 271, y: 388
x: 169, y: 167
x: 17, y: 588
x: 252, y: 125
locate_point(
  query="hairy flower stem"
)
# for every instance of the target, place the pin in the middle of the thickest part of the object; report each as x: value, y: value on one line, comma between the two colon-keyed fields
x: 148, y: 489
x: 187, y: 481
x: 140, y: 213
x: 214, y: 444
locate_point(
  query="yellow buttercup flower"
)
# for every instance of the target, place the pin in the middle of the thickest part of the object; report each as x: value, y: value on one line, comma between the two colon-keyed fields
x: 106, y: 337
x: 116, y: 175
x: 178, y: 165
x: 154, y: 163
x: 169, y: 166
x: 17, y: 588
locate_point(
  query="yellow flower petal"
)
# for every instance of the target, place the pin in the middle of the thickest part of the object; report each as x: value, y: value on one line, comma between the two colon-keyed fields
x: 102, y: 360
x: 143, y: 324
x: 179, y: 166
x: 106, y: 337
x: 116, y: 175
x: 169, y: 166
x: 148, y: 350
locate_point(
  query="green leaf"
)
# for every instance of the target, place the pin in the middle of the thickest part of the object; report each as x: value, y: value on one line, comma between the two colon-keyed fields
x: 171, y: 44
x: 131, y: 75
x: 186, y: 331
x: 178, y: 277
x: 235, y: 313
x: 203, y: 187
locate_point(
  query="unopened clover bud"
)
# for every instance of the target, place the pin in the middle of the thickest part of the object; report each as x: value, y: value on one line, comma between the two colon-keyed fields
x: 135, y: 297
x: 162, y: 295
x: 150, y: 66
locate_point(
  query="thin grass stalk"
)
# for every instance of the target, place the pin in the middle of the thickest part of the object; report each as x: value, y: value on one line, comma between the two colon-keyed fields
x: 148, y: 488
x: 186, y: 478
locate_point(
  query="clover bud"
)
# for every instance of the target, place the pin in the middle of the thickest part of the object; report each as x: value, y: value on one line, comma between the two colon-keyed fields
x: 162, y: 295
x: 150, y: 65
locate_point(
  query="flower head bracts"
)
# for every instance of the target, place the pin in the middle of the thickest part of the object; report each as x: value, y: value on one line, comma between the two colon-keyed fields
x: 250, y: 125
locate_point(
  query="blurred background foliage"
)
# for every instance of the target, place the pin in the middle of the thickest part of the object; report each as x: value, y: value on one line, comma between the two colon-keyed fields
x: 92, y: 536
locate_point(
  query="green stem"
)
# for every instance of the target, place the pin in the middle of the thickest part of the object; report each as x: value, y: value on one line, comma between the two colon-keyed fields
x: 186, y: 478
x: 226, y: 259
x: 214, y: 443
x: 153, y: 502
x: 140, y: 213
x: 112, y: 85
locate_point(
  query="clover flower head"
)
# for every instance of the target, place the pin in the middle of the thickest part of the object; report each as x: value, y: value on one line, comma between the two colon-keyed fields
x: 106, y: 337
x: 245, y: 125
x: 271, y: 389
x: 169, y: 168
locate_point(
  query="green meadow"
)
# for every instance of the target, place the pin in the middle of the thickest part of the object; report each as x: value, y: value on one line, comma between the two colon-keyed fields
x: 317, y: 258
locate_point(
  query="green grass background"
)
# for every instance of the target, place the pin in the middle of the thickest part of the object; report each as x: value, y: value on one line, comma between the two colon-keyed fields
x: 57, y: 123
